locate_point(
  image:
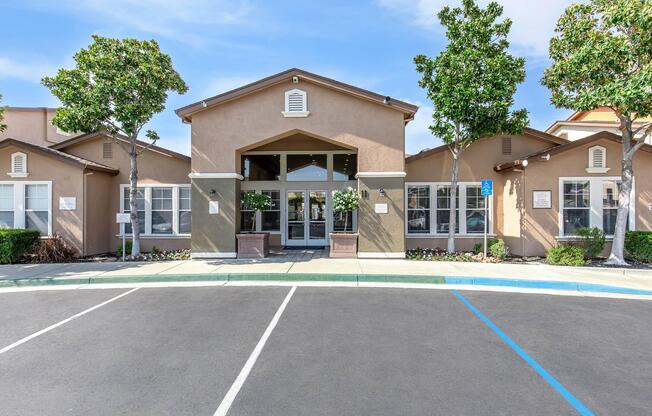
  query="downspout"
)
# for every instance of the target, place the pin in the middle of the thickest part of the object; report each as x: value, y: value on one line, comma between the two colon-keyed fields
x: 523, y: 212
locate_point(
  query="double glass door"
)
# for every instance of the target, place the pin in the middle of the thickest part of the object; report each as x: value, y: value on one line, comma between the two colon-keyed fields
x: 306, y: 218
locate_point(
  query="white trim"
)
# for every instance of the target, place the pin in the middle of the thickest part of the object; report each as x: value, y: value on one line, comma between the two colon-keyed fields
x: 213, y: 255
x: 603, y: 158
x: 19, y: 202
x: 304, y: 103
x: 597, y: 170
x: 159, y: 236
x: 291, y: 114
x: 380, y: 175
x: 18, y: 175
x: 383, y: 255
x: 148, y: 210
x: 215, y: 175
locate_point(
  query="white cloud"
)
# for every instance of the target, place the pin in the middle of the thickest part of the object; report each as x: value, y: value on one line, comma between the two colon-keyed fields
x: 29, y: 70
x: 181, y: 20
x: 533, y: 22
x: 417, y: 134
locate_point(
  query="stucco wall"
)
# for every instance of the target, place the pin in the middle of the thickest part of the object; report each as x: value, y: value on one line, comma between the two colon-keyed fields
x: 98, y: 225
x: 379, y: 232
x: 377, y: 131
x: 32, y: 125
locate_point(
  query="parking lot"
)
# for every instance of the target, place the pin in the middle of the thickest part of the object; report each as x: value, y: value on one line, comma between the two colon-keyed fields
x: 322, y: 351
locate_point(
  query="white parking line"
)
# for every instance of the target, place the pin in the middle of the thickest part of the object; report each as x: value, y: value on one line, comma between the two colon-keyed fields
x: 244, y: 373
x: 65, y: 321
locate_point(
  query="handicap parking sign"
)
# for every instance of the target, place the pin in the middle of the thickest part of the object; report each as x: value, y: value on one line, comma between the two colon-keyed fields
x: 487, y: 187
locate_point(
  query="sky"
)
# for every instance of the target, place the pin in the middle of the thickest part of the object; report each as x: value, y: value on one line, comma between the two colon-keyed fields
x: 218, y: 45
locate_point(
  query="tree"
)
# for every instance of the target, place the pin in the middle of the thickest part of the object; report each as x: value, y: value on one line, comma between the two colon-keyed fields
x: 256, y: 202
x: 116, y: 87
x: 3, y: 126
x: 471, y: 84
x: 345, y: 201
x: 602, y: 56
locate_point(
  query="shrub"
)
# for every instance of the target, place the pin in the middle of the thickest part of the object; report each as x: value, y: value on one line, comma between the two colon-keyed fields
x: 14, y: 243
x: 638, y: 246
x: 591, y: 241
x: 256, y: 202
x: 128, y: 244
x: 53, y: 250
x: 566, y: 255
x: 498, y: 249
x: 477, y: 247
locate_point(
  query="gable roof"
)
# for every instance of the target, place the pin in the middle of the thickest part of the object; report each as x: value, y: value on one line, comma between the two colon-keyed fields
x: 64, y: 157
x: 186, y: 112
x: 92, y: 136
x: 536, y: 157
x: 528, y: 131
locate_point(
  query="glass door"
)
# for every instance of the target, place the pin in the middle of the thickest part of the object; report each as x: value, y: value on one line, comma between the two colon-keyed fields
x: 306, y: 218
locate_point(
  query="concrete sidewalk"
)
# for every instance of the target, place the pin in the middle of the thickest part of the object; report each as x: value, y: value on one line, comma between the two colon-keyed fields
x: 316, y: 268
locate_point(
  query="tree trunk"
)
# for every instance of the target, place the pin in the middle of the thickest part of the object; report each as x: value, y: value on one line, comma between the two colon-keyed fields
x: 617, y: 256
x: 133, y: 204
x: 452, y: 221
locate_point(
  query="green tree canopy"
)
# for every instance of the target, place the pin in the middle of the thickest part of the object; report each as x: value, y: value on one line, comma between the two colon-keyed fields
x: 472, y: 83
x: 3, y: 126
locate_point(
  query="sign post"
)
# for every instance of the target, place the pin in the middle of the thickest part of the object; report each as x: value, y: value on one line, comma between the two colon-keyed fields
x: 487, y: 191
x: 123, y: 218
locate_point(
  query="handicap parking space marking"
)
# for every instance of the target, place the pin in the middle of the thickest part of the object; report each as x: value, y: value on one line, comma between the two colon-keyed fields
x: 230, y: 396
x: 65, y: 321
x: 551, y: 380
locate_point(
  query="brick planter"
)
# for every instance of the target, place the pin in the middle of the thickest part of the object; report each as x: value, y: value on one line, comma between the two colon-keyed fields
x: 253, y: 245
x: 344, y: 245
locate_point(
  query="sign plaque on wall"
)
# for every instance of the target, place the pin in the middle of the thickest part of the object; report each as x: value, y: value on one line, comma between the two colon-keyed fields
x: 67, y: 203
x: 123, y: 218
x: 213, y: 207
x: 380, y: 208
x: 542, y: 199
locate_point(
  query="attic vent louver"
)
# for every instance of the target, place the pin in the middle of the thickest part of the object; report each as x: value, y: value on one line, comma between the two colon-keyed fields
x: 107, y: 150
x: 507, y: 145
x: 295, y: 104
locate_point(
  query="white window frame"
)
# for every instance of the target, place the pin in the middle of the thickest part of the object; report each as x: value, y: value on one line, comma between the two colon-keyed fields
x: 14, y: 173
x: 597, y: 169
x: 595, y: 202
x: 304, y: 108
x: 462, y: 210
x: 148, y: 210
x: 19, y: 202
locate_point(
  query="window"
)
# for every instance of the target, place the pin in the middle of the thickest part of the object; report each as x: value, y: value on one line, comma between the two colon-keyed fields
x: 247, y: 215
x: 261, y: 167
x: 37, y: 208
x: 307, y: 167
x: 576, y: 206
x: 107, y: 150
x: 610, y: 193
x: 418, y: 209
x: 443, y: 209
x: 507, y: 145
x: 296, y: 104
x: 597, y: 160
x: 140, y: 207
x: 161, y: 210
x: 185, y: 213
x: 271, y: 218
x: 475, y: 210
x: 6, y: 206
x: 18, y: 165
x: 345, y: 166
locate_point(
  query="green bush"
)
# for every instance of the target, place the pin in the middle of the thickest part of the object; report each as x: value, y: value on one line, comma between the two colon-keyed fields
x: 477, y: 247
x: 498, y: 249
x: 566, y: 255
x: 638, y: 246
x: 128, y: 245
x: 591, y: 241
x: 14, y: 243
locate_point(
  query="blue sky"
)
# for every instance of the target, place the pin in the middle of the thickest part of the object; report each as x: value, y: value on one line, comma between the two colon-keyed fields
x: 218, y: 45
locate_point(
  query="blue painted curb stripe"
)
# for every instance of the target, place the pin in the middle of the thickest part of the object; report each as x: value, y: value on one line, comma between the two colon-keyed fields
x: 543, y: 284
x: 574, y: 401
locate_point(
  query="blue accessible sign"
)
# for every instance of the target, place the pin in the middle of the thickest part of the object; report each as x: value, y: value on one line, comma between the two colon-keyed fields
x: 487, y: 187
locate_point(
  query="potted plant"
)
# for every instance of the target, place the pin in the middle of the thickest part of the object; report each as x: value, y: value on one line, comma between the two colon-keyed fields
x: 344, y: 244
x: 252, y: 244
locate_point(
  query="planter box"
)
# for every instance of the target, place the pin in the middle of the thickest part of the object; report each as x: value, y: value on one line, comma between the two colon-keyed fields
x: 253, y: 245
x: 344, y: 245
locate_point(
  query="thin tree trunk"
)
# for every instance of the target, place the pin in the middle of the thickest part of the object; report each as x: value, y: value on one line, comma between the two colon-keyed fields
x: 133, y: 202
x: 452, y: 221
x: 617, y: 256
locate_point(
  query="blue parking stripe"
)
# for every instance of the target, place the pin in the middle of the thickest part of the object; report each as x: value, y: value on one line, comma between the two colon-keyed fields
x: 574, y: 401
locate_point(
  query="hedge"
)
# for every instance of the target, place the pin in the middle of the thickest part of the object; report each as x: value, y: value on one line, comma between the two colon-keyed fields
x: 14, y: 243
x: 638, y: 246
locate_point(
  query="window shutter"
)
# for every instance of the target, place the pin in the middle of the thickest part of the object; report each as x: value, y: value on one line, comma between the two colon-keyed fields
x: 18, y: 163
x: 507, y: 145
x: 107, y: 150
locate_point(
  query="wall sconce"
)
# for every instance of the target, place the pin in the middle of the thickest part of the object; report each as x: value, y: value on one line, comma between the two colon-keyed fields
x: 212, y: 192
x: 381, y: 191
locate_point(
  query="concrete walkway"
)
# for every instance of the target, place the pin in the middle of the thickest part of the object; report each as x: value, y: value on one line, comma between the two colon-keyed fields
x: 314, y: 264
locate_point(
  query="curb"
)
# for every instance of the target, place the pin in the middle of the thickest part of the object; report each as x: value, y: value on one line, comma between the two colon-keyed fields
x: 321, y: 277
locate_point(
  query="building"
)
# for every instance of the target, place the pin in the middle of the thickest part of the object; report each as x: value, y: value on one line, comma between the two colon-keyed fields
x: 585, y: 123
x: 298, y: 137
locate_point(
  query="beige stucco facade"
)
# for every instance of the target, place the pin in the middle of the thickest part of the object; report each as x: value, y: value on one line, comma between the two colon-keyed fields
x: 33, y: 125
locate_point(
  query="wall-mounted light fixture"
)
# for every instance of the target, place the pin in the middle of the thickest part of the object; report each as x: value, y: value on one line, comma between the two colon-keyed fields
x: 212, y: 192
x: 525, y: 163
x: 545, y: 157
x: 381, y: 191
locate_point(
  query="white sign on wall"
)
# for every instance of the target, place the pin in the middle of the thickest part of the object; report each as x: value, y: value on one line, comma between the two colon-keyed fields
x: 380, y: 208
x: 67, y: 203
x: 213, y: 207
x: 649, y: 207
x: 122, y: 218
x: 541, y: 199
